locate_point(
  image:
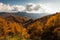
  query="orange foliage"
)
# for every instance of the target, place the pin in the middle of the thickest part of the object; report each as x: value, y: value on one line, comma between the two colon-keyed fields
x: 15, y: 27
x: 37, y: 25
x: 12, y: 27
x: 53, y: 21
x: 35, y: 29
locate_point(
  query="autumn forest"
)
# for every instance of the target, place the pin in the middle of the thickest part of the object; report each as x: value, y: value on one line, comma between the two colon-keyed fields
x: 13, y: 27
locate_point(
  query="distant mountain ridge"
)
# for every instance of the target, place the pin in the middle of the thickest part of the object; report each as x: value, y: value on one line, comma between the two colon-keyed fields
x: 45, y: 27
x: 30, y: 15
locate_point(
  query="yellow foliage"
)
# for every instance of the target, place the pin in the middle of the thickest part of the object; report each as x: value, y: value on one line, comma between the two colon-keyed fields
x: 13, y: 27
x: 37, y: 25
x: 53, y: 21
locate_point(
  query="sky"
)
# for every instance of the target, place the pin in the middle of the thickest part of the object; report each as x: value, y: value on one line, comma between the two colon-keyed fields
x: 30, y: 6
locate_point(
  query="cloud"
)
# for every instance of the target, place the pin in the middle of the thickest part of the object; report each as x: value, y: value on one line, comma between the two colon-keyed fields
x: 7, y: 7
x: 29, y: 8
x: 18, y: 8
x: 34, y: 8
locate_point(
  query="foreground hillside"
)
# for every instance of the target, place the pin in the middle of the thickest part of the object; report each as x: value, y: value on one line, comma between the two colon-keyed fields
x: 13, y: 27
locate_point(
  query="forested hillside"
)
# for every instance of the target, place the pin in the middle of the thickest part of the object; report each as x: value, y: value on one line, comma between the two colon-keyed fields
x: 14, y: 27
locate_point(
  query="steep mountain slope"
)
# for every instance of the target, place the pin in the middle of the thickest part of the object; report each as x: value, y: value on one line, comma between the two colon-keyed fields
x: 44, y: 28
x: 52, y: 28
x: 35, y: 30
x: 14, y: 18
x: 11, y: 28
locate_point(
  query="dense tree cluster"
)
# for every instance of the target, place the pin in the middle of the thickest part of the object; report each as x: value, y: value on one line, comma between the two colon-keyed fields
x: 35, y: 30
x: 12, y: 28
x: 52, y: 28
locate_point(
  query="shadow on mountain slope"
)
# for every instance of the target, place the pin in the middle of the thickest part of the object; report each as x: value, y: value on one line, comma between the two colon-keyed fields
x: 44, y: 28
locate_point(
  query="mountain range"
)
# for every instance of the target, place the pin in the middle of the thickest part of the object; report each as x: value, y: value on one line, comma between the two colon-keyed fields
x: 24, y: 14
x: 30, y: 26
